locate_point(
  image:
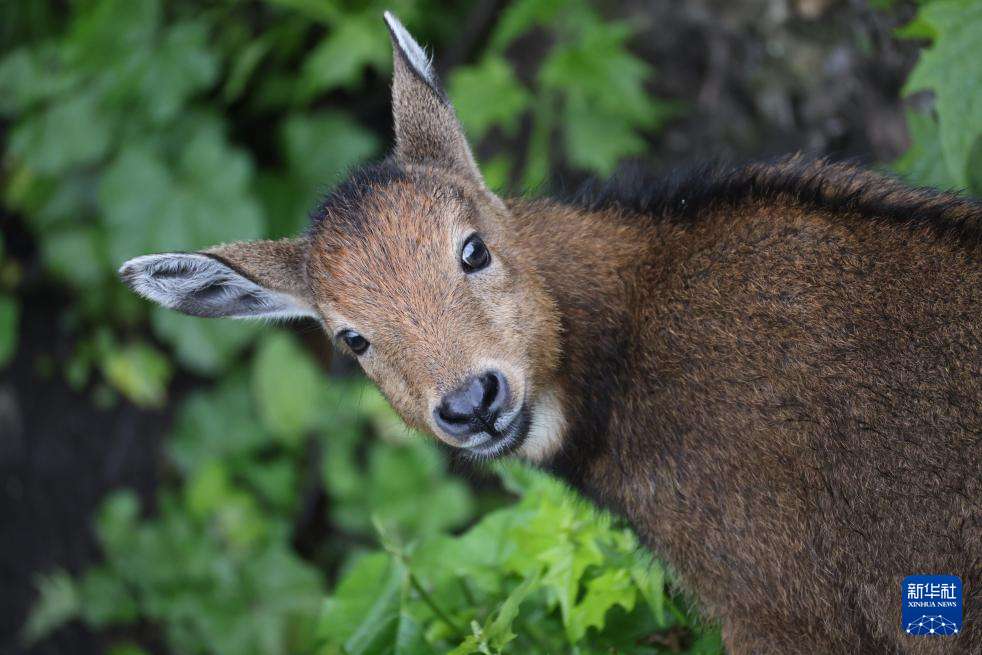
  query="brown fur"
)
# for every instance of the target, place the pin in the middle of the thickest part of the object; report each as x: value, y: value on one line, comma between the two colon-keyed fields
x: 773, y: 372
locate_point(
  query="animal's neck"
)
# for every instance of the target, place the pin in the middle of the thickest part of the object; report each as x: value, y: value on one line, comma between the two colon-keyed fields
x: 590, y: 262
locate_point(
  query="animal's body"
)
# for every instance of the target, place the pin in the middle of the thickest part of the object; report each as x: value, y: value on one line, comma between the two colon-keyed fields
x: 774, y: 372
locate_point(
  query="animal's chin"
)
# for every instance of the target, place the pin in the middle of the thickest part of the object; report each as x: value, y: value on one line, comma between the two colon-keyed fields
x: 505, y: 441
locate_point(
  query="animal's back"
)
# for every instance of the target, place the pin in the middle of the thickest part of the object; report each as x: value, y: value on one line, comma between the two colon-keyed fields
x: 811, y: 378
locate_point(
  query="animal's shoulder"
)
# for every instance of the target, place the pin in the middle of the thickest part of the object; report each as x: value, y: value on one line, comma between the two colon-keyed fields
x: 835, y: 188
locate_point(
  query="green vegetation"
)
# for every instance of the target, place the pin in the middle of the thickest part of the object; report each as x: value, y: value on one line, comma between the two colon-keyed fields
x: 138, y: 126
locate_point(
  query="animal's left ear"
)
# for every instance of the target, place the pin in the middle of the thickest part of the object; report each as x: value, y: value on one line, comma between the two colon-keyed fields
x: 426, y: 128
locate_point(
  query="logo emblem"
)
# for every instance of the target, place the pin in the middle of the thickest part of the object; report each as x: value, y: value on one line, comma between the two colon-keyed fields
x: 932, y: 604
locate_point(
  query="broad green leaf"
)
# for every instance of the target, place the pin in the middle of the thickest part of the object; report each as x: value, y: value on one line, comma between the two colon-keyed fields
x: 117, y: 518
x: 150, y: 207
x: 75, y: 255
x: 106, y: 32
x: 9, y: 323
x: 594, y: 140
x: 486, y: 95
x: 182, y: 64
x: 74, y: 131
x: 207, y: 490
x: 363, y: 613
x: 353, y: 44
x: 207, y: 347
x: 321, y: 148
x: 219, y: 424
x: 924, y: 162
x: 286, y: 386
x: 952, y: 69
x: 140, y: 372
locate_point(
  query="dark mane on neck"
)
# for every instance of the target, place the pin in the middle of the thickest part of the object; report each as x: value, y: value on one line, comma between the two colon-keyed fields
x: 837, y: 188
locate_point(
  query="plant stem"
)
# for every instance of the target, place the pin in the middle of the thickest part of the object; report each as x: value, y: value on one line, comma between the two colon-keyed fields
x: 426, y: 598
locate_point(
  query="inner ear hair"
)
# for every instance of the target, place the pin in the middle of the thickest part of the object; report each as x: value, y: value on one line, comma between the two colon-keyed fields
x: 262, y: 279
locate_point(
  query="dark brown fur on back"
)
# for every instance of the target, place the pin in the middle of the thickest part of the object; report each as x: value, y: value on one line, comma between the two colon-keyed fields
x: 775, y: 373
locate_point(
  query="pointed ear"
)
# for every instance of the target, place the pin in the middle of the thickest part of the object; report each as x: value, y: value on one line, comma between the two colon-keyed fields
x: 426, y: 127
x: 258, y: 279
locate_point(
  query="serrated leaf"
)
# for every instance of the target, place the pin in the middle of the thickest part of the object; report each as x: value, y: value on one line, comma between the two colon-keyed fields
x: 610, y: 588
x: 486, y: 95
x: 353, y: 44
x: 952, y: 69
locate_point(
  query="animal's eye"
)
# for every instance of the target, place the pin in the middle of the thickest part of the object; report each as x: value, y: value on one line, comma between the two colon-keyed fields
x: 474, y: 255
x: 355, y: 341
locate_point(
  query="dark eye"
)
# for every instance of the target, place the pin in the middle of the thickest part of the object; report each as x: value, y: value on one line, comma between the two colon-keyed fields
x: 474, y: 255
x: 355, y: 341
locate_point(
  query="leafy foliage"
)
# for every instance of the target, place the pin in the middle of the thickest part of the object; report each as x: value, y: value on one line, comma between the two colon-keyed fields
x: 139, y: 126
x: 947, y: 150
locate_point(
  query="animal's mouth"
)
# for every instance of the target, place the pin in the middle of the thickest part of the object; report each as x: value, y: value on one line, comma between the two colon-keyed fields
x: 503, y: 438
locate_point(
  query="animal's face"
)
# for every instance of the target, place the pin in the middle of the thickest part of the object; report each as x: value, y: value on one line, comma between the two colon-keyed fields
x: 415, y: 274
x: 413, y: 267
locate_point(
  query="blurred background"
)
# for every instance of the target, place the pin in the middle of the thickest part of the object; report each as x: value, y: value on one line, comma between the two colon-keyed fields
x: 176, y: 485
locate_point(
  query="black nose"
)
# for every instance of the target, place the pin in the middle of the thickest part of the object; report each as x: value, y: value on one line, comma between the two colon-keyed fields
x: 473, y: 406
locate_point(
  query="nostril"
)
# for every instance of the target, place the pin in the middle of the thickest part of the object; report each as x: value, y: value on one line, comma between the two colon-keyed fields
x: 495, y: 393
x: 491, y: 386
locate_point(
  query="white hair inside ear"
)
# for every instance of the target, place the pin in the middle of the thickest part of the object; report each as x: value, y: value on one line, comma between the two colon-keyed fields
x: 418, y: 59
x: 202, y: 285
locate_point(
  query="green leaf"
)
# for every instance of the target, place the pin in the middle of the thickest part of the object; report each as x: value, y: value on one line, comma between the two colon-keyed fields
x: 363, y: 614
x: 951, y: 68
x: 486, y: 95
x: 286, y: 386
x: 106, y: 32
x: 150, y: 207
x: 321, y: 148
x: 205, y: 347
x: 9, y: 319
x: 127, y: 648
x: 181, y: 65
x: 924, y: 162
x: 57, y: 604
x: 353, y: 44
x: 116, y: 519
x: 75, y: 131
x: 207, y: 490
x: 243, y: 67
x: 140, y: 372
x: 105, y: 599
x: 216, y: 425
x: 594, y: 140
x: 519, y: 17
x: 610, y: 588
x: 75, y: 255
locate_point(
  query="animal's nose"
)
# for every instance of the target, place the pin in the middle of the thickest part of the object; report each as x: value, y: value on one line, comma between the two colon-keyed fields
x: 474, y: 406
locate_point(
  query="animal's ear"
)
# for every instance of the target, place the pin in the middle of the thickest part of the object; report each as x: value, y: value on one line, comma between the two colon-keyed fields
x: 426, y: 127
x: 258, y: 279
